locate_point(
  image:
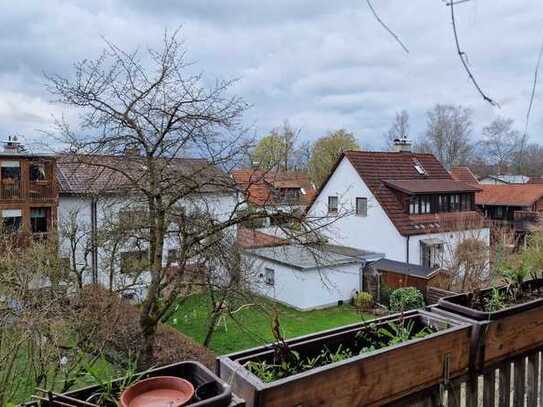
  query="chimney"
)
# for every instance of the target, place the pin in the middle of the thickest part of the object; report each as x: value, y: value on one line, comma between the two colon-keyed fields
x: 12, y: 145
x: 402, y: 145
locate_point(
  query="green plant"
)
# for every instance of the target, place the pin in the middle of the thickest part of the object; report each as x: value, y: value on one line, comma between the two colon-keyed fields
x: 385, y: 291
x: 337, y: 356
x: 496, y: 301
x: 514, y: 275
x: 404, y: 299
x: 262, y: 370
x: 109, y: 391
x: 363, y: 301
x: 398, y: 332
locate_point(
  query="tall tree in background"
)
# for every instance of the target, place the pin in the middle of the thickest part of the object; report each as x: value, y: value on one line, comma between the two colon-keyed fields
x: 399, y: 129
x: 448, y: 135
x: 500, y: 144
x: 327, y: 150
x: 278, y: 149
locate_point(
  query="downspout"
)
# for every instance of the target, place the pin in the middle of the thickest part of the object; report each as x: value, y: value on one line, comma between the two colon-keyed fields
x: 94, y: 249
x: 407, y: 249
x: 361, y: 275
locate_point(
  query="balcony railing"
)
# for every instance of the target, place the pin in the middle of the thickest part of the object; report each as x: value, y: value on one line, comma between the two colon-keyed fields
x: 40, y: 190
x: 10, y: 190
x: 528, y: 216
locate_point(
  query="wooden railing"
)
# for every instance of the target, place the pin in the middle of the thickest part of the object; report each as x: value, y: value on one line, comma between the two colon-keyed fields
x: 39, y: 191
x: 10, y: 191
x: 528, y: 216
x: 512, y: 383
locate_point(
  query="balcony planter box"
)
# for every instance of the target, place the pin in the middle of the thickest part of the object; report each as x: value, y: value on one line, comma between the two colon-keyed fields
x: 371, y: 378
x: 217, y: 393
x: 506, y: 332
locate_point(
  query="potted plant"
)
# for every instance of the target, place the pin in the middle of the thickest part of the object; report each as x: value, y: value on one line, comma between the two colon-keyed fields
x: 509, y: 314
x: 367, y: 363
x: 209, y: 390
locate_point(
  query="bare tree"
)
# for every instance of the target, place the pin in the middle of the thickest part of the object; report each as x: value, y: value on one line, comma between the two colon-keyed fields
x: 399, y: 129
x: 501, y: 144
x: 145, y: 117
x: 448, y: 135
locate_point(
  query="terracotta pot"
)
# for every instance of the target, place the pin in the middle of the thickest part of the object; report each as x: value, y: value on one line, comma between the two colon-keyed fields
x: 160, y: 391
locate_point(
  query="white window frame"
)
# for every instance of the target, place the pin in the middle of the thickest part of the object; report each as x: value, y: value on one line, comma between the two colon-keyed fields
x: 330, y: 198
x: 361, y: 211
x: 269, y: 276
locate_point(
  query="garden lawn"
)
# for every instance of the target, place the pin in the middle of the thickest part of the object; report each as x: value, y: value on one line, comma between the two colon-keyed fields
x: 252, y: 326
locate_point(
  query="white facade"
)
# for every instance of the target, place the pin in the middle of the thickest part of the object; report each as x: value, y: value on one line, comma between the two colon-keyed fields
x: 221, y: 205
x: 306, y: 289
x: 375, y: 232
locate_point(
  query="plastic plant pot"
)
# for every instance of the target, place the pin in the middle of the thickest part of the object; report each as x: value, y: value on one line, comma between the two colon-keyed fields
x: 158, y: 391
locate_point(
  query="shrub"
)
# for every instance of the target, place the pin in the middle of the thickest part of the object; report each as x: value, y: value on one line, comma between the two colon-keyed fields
x: 385, y: 291
x: 363, y: 300
x: 404, y: 299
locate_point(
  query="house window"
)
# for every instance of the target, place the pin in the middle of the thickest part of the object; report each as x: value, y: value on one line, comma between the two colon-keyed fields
x: 38, y: 220
x: 37, y: 172
x: 173, y: 256
x: 11, y: 220
x: 362, y: 206
x: 455, y: 202
x: 134, y: 261
x: 11, y: 170
x: 431, y: 254
x: 269, y: 277
x: 414, y: 205
x: 332, y: 204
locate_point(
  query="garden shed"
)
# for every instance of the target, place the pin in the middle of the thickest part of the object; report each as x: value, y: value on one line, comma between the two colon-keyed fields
x: 308, y: 276
x: 397, y: 274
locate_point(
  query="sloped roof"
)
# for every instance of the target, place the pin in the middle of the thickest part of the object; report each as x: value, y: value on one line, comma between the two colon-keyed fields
x: 465, y: 175
x: 375, y: 168
x: 305, y: 257
x: 251, y: 238
x: 509, y: 195
x: 259, y: 185
x: 94, y: 174
x: 422, y: 186
x: 403, y: 268
x: 510, y: 179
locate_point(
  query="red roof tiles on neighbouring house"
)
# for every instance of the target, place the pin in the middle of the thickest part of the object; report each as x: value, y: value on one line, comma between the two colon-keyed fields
x: 465, y: 175
x: 263, y: 187
x: 251, y: 238
x: 521, y: 195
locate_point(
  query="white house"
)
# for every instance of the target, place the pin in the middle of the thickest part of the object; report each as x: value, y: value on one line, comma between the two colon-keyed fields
x: 93, y: 198
x: 402, y: 204
x: 306, y: 277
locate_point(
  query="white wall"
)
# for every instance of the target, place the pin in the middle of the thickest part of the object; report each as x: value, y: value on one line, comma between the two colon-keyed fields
x: 221, y: 205
x: 307, y: 289
x: 376, y: 232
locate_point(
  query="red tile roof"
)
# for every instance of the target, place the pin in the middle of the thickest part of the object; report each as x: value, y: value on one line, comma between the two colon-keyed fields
x: 259, y: 185
x: 251, y: 238
x: 464, y: 174
x: 421, y: 186
x: 536, y: 180
x: 523, y: 195
x: 375, y: 168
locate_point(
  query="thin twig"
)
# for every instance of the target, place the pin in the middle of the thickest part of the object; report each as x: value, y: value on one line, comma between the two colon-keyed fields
x: 394, y: 35
x: 534, y: 86
x: 463, y: 57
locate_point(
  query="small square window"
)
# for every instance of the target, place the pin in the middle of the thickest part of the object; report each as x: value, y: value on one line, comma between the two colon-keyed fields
x: 362, y: 206
x: 332, y: 204
x: 270, y: 277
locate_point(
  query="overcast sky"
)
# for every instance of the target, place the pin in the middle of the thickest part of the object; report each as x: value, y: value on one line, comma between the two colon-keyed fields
x: 321, y: 64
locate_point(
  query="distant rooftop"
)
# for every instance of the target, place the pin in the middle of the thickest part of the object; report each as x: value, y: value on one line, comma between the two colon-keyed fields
x: 507, y: 179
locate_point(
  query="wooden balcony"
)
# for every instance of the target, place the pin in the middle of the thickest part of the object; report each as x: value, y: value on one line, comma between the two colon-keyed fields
x: 528, y: 221
x: 40, y: 191
x: 10, y: 190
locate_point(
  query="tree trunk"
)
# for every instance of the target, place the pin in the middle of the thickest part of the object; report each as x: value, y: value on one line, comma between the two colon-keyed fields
x: 146, y: 357
x: 211, y: 328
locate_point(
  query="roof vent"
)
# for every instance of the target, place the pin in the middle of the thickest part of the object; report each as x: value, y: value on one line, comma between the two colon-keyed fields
x: 402, y: 145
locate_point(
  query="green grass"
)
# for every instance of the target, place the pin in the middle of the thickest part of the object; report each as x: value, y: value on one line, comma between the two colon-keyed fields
x: 253, y: 324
